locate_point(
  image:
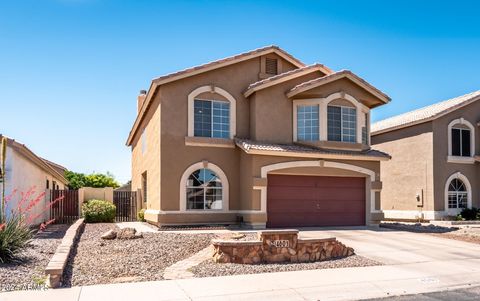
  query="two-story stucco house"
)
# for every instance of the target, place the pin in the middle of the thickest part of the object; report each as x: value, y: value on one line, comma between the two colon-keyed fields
x: 433, y: 172
x: 259, y: 139
x: 24, y: 170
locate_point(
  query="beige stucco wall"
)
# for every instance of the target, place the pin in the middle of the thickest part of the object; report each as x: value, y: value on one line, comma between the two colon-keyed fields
x: 443, y: 169
x: 272, y: 112
x: 344, y: 85
x: 23, y: 175
x: 168, y: 116
x: 149, y: 161
x: 410, y: 171
x: 91, y: 193
x: 264, y: 117
x: 419, y: 164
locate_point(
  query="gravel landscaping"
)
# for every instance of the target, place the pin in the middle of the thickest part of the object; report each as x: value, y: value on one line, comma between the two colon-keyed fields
x: 418, y: 227
x: 28, y: 272
x: 468, y: 234
x: 98, y: 261
x: 458, y: 232
x: 210, y: 269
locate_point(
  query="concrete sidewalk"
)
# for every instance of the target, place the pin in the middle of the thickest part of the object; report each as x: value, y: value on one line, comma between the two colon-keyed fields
x: 332, y: 284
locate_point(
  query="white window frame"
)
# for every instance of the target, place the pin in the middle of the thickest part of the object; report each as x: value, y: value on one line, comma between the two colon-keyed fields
x: 295, y: 109
x: 323, y: 114
x: 183, y: 187
x: 466, y: 182
x: 461, y: 159
x: 211, y: 89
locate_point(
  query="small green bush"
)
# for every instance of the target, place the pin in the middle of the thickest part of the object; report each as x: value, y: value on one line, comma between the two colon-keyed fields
x: 141, y: 215
x: 98, y: 211
x: 15, y: 234
x: 459, y: 217
x: 469, y: 214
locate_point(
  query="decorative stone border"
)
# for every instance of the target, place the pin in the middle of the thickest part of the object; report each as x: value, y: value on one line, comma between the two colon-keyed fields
x: 58, y: 262
x: 274, y: 246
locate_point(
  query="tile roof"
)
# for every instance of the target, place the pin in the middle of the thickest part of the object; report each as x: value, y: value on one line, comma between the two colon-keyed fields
x: 274, y: 78
x: 423, y: 114
x: 337, y: 75
x: 204, y: 68
x: 248, y: 145
x: 40, y: 162
x: 229, y: 59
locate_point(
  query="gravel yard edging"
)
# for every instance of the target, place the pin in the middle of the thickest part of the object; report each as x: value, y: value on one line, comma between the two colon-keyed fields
x: 58, y: 262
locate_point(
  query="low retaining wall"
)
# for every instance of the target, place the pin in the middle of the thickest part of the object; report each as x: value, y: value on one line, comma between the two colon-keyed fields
x: 274, y: 246
x: 58, y: 262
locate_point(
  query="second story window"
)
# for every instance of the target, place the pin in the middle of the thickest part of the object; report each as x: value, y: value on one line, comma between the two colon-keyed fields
x: 307, y: 123
x: 461, y: 142
x: 211, y: 118
x: 342, y: 124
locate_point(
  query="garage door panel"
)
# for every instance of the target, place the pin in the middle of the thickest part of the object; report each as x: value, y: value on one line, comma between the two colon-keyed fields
x: 312, y: 220
x: 297, y: 181
x: 307, y: 201
x: 283, y: 193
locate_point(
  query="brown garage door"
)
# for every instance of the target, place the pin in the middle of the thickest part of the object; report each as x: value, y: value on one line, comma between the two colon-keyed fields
x: 309, y: 201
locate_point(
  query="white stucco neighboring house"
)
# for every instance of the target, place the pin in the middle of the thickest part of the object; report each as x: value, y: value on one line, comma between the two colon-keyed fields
x: 25, y: 170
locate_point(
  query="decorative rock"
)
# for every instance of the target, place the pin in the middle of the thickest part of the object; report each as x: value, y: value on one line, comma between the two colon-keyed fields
x: 126, y: 233
x: 110, y: 234
x: 238, y: 236
x: 279, y: 246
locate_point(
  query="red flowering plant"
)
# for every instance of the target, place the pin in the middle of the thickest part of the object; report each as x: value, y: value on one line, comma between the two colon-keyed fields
x: 16, y: 229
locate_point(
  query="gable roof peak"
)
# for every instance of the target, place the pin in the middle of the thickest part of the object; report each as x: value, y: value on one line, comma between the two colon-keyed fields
x: 335, y: 76
x: 269, y: 81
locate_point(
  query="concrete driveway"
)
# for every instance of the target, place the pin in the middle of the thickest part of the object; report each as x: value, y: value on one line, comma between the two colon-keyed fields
x: 393, y: 247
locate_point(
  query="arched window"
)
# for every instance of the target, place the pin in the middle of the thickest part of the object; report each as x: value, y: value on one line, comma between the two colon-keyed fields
x: 461, y: 140
x: 211, y: 113
x: 457, y: 194
x: 204, y: 190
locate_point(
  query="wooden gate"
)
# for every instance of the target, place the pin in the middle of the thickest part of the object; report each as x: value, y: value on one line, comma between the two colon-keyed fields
x: 64, y: 206
x: 126, y: 203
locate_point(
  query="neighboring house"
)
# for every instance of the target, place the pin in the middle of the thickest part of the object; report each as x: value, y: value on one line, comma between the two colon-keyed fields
x: 25, y: 170
x: 257, y: 138
x: 125, y: 187
x: 433, y: 172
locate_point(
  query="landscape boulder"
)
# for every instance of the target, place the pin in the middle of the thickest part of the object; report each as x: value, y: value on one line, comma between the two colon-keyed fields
x: 110, y: 234
x: 127, y: 233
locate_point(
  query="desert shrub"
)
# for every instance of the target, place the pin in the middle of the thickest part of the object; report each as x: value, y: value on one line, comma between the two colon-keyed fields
x: 141, y: 215
x: 16, y: 229
x: 98, y: 211
x: 469, y: 214
x: 15, y: 234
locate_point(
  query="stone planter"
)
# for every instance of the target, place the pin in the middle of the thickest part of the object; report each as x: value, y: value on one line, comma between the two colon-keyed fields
x: 275, y: 246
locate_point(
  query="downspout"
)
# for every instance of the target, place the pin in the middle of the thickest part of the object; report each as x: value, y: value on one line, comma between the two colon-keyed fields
x: 3, y: 158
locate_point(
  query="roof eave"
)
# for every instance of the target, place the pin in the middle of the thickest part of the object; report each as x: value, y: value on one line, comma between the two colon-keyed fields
x: 159, y: 81
x: 249, y: 92
x: 343, y: 74
x: 311, y: 155
x: 416, y: 122
x: 26, y: 152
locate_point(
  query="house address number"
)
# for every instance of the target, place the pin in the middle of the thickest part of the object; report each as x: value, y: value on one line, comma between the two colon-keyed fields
x: 280, y: 243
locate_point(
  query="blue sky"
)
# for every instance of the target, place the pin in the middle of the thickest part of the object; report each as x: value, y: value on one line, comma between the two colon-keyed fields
x: 70, y: 70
